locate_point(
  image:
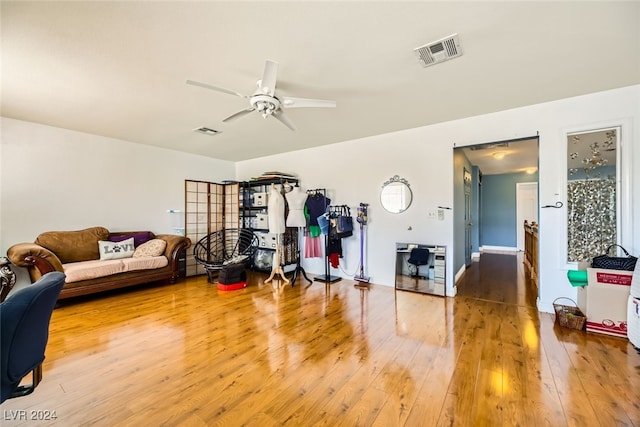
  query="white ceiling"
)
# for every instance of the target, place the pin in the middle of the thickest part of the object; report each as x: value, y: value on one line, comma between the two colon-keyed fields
x: 517, y: 156
x: 118, y: 69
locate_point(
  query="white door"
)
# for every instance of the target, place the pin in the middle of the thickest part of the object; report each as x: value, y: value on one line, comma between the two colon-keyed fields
x: 526, y: 208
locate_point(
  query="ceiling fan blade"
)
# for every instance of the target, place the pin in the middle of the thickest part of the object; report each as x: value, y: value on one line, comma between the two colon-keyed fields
x: 238, y: 114
x: 267, y: 85
x: 218, y: 89
x: 304, y: 102
x: 279, y: 114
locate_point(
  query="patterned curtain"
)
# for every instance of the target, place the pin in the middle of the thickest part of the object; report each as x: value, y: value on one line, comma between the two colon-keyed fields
x: 592, y: 218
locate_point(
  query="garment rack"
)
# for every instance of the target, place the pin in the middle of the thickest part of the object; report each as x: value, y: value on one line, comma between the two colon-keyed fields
x: 326, y: 277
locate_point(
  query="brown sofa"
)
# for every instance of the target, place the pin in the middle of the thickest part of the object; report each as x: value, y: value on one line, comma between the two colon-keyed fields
x: 73, y: 251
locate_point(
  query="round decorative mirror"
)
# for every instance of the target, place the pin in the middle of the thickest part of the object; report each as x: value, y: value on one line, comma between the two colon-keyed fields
x: 396, y: 195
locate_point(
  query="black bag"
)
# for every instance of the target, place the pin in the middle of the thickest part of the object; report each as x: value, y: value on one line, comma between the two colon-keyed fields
x: 345, y: 220
x: 232, y: 273
x: 341, y: 222
x: 607, y: 262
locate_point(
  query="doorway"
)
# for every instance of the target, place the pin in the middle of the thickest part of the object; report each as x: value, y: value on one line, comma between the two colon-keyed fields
x: 468, y: 242
x: 526, y: 208
x: 489, y: 212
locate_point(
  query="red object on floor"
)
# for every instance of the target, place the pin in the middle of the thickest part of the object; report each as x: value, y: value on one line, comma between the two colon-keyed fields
x: 232, y: 286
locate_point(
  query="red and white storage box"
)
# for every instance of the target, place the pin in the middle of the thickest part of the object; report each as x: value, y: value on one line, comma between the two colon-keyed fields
x: 604, y: 301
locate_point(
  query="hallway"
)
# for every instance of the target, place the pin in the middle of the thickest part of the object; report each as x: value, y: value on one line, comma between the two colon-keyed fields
x: 498, y: 277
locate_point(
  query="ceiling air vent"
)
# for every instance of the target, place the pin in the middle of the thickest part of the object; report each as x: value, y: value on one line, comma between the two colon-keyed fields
x: 439, y: 51
x: 207, y: 131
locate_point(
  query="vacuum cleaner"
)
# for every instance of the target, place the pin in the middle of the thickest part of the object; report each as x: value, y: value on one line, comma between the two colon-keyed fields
x: 362, y: 220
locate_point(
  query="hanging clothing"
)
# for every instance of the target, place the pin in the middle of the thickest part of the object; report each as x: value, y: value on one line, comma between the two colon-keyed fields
x: 296, y: 198
x: 334, y: 246
x: 334, y: 260
x: 335, y: 236
x: 314, y: 230
x: 275, y: 205
x: 312, y: 246
x: 316, y: 205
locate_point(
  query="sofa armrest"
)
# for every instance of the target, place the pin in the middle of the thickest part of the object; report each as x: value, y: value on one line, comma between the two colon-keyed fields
x: 175, y: 245
x: 37, y: 259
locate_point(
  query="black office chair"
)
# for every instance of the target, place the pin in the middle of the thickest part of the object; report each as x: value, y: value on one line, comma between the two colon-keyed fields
x: 418, y: 257
x: 24, y: 332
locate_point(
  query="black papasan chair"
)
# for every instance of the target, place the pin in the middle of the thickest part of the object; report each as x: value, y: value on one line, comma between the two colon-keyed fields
x: 224, y: 247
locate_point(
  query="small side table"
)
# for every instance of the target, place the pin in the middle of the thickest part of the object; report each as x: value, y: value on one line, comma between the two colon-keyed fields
x: 7, y: 278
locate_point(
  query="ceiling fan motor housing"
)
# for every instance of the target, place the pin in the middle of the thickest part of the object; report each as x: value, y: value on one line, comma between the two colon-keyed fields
x: 265, y: 104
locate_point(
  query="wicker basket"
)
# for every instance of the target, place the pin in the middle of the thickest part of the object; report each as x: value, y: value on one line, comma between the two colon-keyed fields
x: 569, y: 316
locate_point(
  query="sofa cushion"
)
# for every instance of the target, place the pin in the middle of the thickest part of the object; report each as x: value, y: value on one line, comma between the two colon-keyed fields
x: 138, y: 238
x: 85, y: 270
x: 154, y: 247
x: 116, y: 250
x: 146, y: 263
x: 74, y: 246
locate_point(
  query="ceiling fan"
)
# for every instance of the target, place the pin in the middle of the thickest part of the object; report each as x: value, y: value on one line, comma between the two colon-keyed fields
x: 264, y: 99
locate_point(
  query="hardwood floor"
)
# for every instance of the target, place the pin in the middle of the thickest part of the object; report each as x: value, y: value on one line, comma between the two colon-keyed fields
x: 190, y: 355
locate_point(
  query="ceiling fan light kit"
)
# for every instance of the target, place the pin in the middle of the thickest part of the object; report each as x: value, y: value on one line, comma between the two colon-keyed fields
x: 265, y: 104
x: 264, y: 99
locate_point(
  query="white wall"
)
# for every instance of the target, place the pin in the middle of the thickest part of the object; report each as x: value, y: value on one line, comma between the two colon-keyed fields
x: 56, y: 179
x: 353, y: 172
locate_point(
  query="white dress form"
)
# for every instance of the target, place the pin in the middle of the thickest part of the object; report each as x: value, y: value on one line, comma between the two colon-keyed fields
x: 276, y: 226
x: 276, y: 268
x: 275, y: 212
x: 296, y: 199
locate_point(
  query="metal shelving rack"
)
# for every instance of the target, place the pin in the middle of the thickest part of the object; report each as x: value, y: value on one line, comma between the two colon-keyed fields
x: 290, y: 253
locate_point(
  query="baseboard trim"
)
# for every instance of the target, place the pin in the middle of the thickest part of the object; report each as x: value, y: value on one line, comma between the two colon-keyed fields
x: 459, y: 274
x: 498, y: 249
